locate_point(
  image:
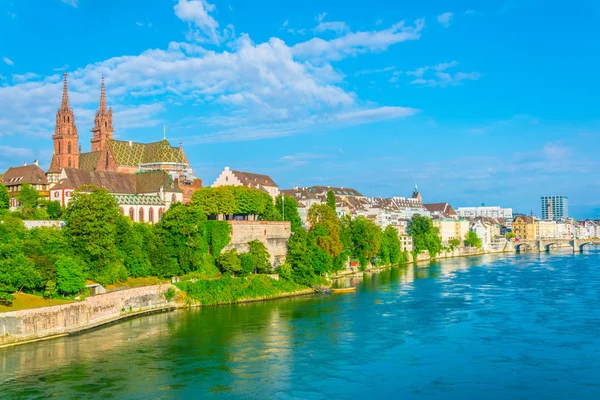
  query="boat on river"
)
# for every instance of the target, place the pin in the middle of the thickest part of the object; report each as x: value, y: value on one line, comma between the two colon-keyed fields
x: 343, y: 290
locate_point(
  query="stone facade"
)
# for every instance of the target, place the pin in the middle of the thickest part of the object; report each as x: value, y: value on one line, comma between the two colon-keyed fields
x: 18, y: 326
x: 274, y: 235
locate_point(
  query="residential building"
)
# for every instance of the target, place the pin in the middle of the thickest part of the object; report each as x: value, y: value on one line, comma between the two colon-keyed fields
x: 546, y: 229
x: 485, y: 211
x: 564, y: 229
x: 256, y: 181
x: 555, y: 207
x: 441, y: 210
x: 450, y: 229
x: 525, y: 228
x: 15, y: 177
x: 481, y: 230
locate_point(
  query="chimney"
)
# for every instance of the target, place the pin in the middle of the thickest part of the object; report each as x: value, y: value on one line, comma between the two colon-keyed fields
x: 25, y: 164
x: 130, y: 143
x: 35, y: 162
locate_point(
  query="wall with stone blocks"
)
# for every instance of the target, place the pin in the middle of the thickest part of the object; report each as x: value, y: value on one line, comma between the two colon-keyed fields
x: 274, y: 235
x: 17, y: 326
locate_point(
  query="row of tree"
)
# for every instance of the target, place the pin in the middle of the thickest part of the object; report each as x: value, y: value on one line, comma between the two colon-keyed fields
x: 32, y: 206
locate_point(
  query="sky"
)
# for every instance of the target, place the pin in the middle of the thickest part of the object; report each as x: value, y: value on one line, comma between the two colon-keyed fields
x: 478, y: 102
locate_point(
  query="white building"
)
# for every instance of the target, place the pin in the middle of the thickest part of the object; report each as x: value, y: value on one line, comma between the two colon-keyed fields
x: 485, y: 211
x: 251, y: 180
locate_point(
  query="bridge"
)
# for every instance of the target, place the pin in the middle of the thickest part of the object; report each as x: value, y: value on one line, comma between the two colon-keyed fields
x: 542, y: 245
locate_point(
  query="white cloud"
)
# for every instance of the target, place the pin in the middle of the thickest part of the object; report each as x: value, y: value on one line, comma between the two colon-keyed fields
x: 139, y: 24
x: 320, y: 17
x: 15, y: 152
x: 197, y: 14
x: 353, y: 43
x: 440, y: 76
x: 270, y: 89
x: 24, y: 77
x: 73, y: 3
x: 335, y: 26
x: 374, y: 71
x: 470, y: 12
x: 378, y: 22
x: 8, y: 61
x: 445, y: 19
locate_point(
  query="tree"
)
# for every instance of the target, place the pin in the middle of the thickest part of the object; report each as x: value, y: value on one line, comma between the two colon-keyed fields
x: 229, y: 262
x: 4, y: 199
x: 215, y: 200
x: 218, y: 235
x: 44, y: 246
x: 510, y: 235
x: 366, y: 239
x: 262, y: 265
x: 54, y: 210
x: 91, y: 226
x: 472, y: 240
x: 290, y: 211
x: 393, y: 243
x: 28, y: 197
x: 325, y: 229
x: 183, y: 232
x: 454, y: 243
x: 299, y: 258
x: 425, y: 235
x: 331, y: 199
x: 70, y: 278
x: 267, y: 211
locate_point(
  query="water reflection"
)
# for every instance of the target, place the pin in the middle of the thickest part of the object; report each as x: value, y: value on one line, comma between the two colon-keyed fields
x: 494, y: 327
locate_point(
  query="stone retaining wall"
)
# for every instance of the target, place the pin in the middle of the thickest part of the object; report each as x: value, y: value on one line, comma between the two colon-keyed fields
x: 274, y: 235
x: 19, y: 326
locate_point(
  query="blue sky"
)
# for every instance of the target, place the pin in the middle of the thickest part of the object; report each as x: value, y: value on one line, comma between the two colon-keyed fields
x: 491, y: 102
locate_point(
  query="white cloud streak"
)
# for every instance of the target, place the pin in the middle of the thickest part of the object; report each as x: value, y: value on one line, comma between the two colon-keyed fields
x: 445, y: 19
x: 8, y: 61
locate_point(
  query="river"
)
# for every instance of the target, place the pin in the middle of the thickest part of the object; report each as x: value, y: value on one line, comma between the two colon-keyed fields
x: 495, y: 327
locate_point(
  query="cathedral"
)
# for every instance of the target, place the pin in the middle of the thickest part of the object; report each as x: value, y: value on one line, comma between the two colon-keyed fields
x: 145, y: 178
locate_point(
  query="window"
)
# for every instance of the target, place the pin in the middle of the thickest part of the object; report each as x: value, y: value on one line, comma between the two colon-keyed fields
x: 131, y: 215
x: 69, y: 162
x: 122, y: 210
x: 173, y: 198
x: 56, y: 194
x: 69, y: 147
x: 160, y: 213
x: 141, y: 215
x: 151, y: 215
x: 58, y: 147
x: 68, y: 194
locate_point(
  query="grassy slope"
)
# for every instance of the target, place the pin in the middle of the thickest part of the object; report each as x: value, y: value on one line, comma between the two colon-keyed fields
x: 24, y: 301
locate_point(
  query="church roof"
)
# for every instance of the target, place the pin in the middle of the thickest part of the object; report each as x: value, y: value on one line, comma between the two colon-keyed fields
x: 152, y: 181
x: 133, y: 154
x: 114, y: 182
x: 136, y: 199
x: 89, y: 161
x: 54, y: 168
x: 31, y: 174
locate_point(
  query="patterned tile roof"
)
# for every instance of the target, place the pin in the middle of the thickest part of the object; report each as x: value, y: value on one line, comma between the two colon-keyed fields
x: 152, y: 181
x: 89, y: 161
x: 133, y: 154
x: 138, y: 200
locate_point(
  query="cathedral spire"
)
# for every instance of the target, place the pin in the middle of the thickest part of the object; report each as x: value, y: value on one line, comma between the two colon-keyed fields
x: 102, y: 109
x: 65, y: 97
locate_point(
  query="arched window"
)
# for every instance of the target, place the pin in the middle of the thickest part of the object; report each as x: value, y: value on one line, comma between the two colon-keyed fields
x: 107, y: 160
x: 68, y: 119
x: 141, y: 215
x: 69, y: 147
x: 58, y: 147
x: 122, y: 210
x: 173, y: 198
x: 131, y: 213
x: 69, y: 162
x: 106, y: 124
x: 151, y: 215
x: 160, y: 213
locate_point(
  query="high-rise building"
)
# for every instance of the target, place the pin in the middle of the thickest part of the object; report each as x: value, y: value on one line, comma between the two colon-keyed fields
x: 555, y: 207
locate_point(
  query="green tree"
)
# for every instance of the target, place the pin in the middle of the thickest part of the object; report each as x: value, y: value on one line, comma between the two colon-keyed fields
x: 472, y: 240
x: 392, y: 242
x: 325, y: 229
x: 131, y: 248
x: 183, y: 232
x: 331, y: 199
x: 28, y: 197
x: 229, y: 262
x: 218, y: 235
x: 425, y: 235
x: 54, y: 210
x: 454, y: 243
x: 44, y: 246
x: 510, y: 235
x: 4, y: 199
x: 215, y: 200
x: 366, y: 239
x: 70, y: 278
x: 268, y: 212
x: 299, y: 258
x: 290, y: 211
x: 262, y: 265
x: 91, y: 227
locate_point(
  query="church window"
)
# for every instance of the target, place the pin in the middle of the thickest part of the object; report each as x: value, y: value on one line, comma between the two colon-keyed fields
x: 173, y: 198
x: 69, y: 162
x: 107, y: 160
x: 122, y: 210
x: 141, y: 215
x: 69, y: 147
x: 58, y: 147
x: 151, y: 215
x: 131, y: 215
x: 68, y: 119
x: 106, y: 124
x: 160, y: 213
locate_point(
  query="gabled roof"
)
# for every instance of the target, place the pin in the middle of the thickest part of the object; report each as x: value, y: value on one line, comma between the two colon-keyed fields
x: 524, y: 218
x: 254, y: 180
x: 31, y: 174
x: 114, y: 182
x: 152, y: 181
x: 133, y: 154
x: 54, y: 168
x: 443, y: 208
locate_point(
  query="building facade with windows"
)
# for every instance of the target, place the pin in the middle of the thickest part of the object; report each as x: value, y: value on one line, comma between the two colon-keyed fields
x: 485, y: 211
x: 555, y: 207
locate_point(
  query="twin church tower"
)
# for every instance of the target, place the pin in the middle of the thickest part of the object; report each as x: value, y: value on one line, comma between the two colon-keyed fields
x: 66, y: 137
